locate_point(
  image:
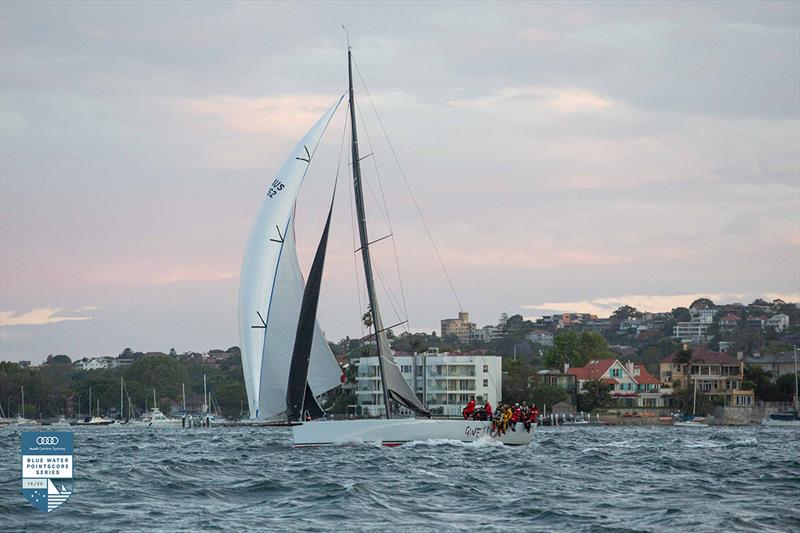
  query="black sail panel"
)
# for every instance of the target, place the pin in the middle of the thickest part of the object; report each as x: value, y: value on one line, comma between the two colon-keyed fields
x: 311, y: 408
x: 298, y: 389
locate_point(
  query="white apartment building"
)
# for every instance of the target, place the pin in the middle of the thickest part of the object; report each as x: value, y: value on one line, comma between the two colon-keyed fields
x: 690, y: 331
x: 545, y: 338
x: 94, y: 364
x: 443, y: 381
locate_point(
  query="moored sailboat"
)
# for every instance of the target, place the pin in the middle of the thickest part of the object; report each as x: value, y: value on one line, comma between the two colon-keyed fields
x: 287, y: 362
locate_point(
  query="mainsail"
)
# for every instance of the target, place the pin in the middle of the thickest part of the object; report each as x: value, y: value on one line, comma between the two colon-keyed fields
x: 271, y: 290
x: 394, y: 385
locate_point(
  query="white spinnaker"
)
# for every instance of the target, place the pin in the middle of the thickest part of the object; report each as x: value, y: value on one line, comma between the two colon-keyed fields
x: 265, y: 257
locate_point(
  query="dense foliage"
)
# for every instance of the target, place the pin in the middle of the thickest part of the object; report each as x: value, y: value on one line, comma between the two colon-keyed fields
x: 59, y: 388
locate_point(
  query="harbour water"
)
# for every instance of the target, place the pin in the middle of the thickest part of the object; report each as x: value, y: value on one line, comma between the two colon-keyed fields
x: 569, y: 479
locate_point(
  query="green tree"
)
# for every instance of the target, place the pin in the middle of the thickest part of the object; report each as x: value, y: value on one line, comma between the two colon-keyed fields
x: 576, y: 349
x: 543, y: 394
x: 702, y: 303
x: 624, y: 313
x: 366, y: 318
x: 595, y: 395
x: 681, y: 314
x: 516, y: 378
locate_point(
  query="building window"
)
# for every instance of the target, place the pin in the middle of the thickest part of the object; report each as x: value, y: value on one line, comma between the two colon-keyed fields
x: 485, y: 368
x: 485, y: 382
x: 405, y: 369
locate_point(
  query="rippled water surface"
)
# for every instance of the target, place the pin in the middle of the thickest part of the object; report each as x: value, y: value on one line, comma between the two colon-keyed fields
x: 589, y: 478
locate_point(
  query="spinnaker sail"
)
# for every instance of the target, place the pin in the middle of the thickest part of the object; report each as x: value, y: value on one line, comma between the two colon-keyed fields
x: 271, y: 290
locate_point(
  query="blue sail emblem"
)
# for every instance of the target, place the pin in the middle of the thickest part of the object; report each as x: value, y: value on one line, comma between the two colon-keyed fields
x: 47, y: 468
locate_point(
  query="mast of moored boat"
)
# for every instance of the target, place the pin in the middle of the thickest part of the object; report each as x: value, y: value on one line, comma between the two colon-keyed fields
x: 183, y: 397
x: 377, y: 323
x: 796, y: 396
x: 22, y: 390
x: 121, y: 407
x: 205, y: 396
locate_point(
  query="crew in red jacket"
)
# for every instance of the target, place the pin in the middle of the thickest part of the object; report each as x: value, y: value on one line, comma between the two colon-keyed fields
x: 469, y: 409
x: 487, y: 407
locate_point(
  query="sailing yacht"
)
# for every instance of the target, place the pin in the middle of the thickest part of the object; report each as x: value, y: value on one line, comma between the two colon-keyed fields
x: 287, y: 361
x: 693, y: 421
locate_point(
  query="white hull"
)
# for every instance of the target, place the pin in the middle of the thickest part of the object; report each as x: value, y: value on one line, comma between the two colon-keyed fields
x: 781, y: 423
x: 690, y: 424
x: 401, y: 430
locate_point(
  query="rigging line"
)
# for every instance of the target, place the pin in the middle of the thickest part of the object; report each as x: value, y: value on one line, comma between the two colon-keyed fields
x: 389, y: 294
x: 410, y: 191
x: 385, y: 205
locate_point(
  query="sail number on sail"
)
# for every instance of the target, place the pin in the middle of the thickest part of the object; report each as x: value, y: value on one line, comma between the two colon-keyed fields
x: 277, y: 185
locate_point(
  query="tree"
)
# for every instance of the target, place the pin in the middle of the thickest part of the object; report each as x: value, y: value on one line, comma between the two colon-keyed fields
x: 576, y: 349
x: 366, y: 318
x: 702, y: 303
x: 516, y: 377
x: 595, y: 394
x: 624, y: 313
x: 58, y: 360
x: 544, y: 394
x: 681, y: 314
x: 686, y: 400
x: 683, y: 357
x: 172, y: 352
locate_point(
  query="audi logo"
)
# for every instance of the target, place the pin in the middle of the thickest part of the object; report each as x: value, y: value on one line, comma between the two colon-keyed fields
x: 46, y: 440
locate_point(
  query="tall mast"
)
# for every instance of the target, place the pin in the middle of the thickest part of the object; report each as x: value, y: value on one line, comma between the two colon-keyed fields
x: 121, y: 408
x: 377, y: 324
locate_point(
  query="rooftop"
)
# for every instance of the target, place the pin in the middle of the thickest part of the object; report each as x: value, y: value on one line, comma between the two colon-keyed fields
x: 703, y: 355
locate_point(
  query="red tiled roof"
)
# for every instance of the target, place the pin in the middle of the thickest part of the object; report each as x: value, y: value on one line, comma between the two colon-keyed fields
x: 703, y: 355
x: 609, y: 381
x: 594, y: 369
x: 730, y: 318
x: 645, y: 377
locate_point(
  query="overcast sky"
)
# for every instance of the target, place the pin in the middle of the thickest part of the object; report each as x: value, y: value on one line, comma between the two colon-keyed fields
x: 567, y: 157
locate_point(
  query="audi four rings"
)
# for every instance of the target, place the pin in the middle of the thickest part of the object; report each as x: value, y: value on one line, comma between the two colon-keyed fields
x: 46, y: 440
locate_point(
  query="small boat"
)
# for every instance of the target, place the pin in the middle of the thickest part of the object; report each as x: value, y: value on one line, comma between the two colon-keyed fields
x: 93, y: 421
x: 22, y: 421
x: 155, y: 418
x: 789, y: 419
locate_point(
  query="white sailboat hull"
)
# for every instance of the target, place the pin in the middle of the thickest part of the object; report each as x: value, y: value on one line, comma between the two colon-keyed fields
x: 401, y: 430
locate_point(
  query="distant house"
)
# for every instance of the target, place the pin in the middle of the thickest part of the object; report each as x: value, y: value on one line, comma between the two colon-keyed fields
x: 631, y: 384
x: 716, y: 373
x: 692, y: 331
x: 776, y: 364
x: 543, y: 337
x: 779, y: 322
x: 729, y: 322
x: 566, y: 380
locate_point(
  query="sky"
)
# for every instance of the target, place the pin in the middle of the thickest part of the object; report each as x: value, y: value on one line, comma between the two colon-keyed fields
x: 565, y: 156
